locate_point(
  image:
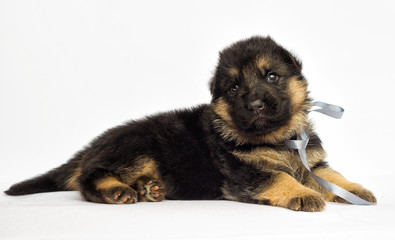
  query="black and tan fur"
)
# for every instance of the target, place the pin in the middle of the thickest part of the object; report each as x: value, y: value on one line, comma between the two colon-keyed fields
x: 232, y: 148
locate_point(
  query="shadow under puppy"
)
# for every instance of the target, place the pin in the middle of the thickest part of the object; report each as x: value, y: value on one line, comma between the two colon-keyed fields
x: 232, y: 148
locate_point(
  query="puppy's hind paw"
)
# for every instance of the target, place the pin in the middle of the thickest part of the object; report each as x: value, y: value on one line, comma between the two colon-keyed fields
x: 150, y: 189
x: 119, y: 195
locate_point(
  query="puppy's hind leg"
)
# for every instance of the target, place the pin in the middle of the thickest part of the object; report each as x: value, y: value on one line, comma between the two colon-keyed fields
x: 101, y: 186
x: 123, y: 184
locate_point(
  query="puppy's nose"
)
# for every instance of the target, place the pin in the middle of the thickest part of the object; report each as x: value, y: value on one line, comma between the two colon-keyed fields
x: 256, y: 106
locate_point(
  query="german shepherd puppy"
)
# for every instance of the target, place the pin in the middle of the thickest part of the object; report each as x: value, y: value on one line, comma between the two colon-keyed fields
x: 232, y: 148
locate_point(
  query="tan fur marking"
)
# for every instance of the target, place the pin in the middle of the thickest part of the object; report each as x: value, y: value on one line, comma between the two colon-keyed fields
x: 148, y: 168
x: 250, y: 74
x: 296, y: 124
x: 262, y: 63
x: 298, y: 92
x: 108, y: 183
x: 227, y: 195
x: 72, y: 183
x: 222, y: 109
x: 144, y: 166
x: 234, y: 72
x: 284, y: 189
x: 267, y: 157
x: 315, y: 156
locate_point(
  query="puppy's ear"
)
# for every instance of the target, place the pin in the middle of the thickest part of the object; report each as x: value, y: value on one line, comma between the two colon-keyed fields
x: 295, y: 61
x: 291, y: 58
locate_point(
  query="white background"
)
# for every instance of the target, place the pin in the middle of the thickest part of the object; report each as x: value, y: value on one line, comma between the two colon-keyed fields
x: 71, y: 69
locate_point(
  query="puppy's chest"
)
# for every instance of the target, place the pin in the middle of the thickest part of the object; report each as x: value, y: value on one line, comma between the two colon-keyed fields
x: 281, y: 159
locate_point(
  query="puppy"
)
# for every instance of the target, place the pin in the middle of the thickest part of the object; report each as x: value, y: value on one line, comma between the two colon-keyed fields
x: 232, y: 148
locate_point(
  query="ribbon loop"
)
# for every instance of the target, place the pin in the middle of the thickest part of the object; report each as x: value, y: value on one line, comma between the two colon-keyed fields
x: 301, y: 143
x: 296, y: 144
x: 328, y: 109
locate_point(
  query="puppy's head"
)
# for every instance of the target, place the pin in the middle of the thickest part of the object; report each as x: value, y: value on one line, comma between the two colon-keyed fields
x: 259, y: 92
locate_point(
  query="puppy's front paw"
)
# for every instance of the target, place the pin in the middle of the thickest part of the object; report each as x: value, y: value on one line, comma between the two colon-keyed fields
x: 360, y: 192
x: 308, y: 203
x: 287, y: 192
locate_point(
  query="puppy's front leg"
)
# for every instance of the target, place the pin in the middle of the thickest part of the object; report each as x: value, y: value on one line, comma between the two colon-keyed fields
x: 336, y: 178
x: 285, y: 191
x: 274, y: 188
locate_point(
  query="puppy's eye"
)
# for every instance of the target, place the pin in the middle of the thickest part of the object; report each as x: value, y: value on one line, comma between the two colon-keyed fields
x: 272, y: 77
x: 234, y: 87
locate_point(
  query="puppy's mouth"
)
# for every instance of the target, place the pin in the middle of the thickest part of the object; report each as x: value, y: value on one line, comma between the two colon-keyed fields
x: 257, y: 116
x: 265, y: 119
x: 264, y: 112
x: 259, y: 124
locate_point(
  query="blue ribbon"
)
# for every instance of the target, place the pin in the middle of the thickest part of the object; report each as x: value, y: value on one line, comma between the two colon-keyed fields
x: 301, y: 143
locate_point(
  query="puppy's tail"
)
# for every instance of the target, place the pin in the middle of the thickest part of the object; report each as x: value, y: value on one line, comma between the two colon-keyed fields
x: 62, y: 178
